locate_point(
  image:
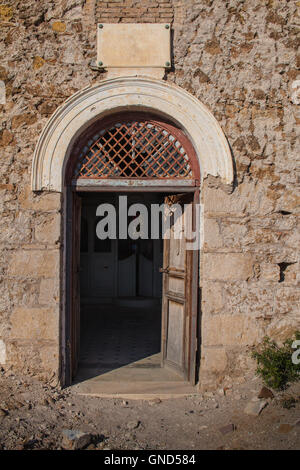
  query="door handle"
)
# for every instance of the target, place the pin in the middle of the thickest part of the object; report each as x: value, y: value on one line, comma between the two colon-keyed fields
x: 164, y: 270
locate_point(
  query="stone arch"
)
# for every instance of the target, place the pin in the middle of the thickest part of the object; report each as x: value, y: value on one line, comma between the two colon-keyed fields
x: 124, y: 94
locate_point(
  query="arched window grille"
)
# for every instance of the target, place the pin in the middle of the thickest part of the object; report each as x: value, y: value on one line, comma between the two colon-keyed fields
x: 134, y: 149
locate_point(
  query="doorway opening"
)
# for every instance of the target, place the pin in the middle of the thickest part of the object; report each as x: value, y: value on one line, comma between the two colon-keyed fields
x: 120, y: 296
x: 132, y: 302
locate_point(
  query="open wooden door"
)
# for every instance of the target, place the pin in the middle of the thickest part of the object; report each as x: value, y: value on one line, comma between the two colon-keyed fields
x: 180, y: 294
x: 75, y: 284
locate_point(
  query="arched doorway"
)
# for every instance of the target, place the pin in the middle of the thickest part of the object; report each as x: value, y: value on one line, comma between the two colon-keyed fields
x: 137, y: 306
x: 107, y: 98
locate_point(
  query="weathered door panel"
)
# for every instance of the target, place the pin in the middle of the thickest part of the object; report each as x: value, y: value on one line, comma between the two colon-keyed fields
x: 180, y: 293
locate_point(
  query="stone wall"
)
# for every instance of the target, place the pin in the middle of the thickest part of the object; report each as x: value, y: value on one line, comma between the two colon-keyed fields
x: 240, y: 58
x: 45, y: 52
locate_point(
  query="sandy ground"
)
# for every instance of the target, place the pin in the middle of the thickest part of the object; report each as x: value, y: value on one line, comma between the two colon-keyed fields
x: 33, y: 416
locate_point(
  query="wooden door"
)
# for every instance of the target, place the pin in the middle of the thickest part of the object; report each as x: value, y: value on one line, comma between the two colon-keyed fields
x: 180, y: 294
x: 75, y: 284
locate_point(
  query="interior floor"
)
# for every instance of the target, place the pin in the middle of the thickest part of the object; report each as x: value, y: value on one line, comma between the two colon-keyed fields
x: 113, y: 336
x: 120, y: 353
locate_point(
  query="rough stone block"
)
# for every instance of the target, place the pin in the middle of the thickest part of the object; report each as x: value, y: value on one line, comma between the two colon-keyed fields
x: 34, y: 323
x: 249, y: 298
x: 247, y: 198
x: 234, y: 232
x: 214, y: 360
x: 75, y: 440
x: 34, y: 263
x: 228, y: 266
x: 265, y: 393
x: 212, y: 296
x: 212, y: 237
x: 254, y: 408
x: 49, y: 356
x: 218, y: 202
x: 48, y: 229
x: 37, y: 356
x: 49, y: 291
x: 15, y: 229
x: 230, y: 330
x: 40, y: 202
x: 292, y: 274
x: 284, y: 328
x: 269, y: 272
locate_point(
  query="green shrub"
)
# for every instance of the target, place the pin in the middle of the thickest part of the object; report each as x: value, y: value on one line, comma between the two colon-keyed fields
x: 274, y: 363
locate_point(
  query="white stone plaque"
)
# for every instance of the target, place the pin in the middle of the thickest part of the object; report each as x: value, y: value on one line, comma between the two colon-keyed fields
x: 2, y: 352
x: 134, y: 45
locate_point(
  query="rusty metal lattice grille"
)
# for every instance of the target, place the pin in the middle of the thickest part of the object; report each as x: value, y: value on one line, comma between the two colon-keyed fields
x: 134, y: 150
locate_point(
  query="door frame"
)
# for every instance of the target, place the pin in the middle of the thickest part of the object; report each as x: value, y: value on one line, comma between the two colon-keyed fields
x: 66, y: 324
x: 112, y: 187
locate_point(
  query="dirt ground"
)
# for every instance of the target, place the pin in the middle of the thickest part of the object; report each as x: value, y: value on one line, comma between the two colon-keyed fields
x: 34, y: 415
